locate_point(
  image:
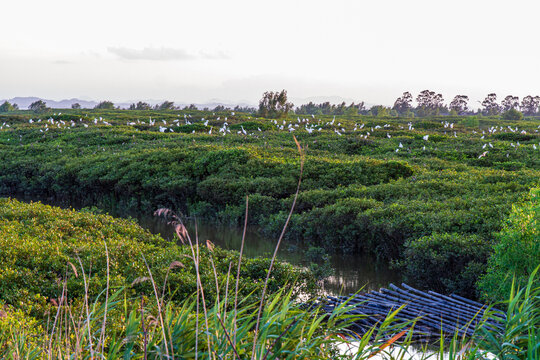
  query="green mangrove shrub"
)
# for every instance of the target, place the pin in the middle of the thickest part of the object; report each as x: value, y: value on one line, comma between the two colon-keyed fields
x: 517, y: 251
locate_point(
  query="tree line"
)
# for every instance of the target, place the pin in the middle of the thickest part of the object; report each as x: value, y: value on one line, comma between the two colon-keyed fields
x: 169, y: 105
x: 276, y: 105
x: 428, y: 103
x: 40, y: 106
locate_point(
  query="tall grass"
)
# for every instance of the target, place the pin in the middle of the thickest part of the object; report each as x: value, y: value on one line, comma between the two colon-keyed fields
x: 521, y: 336
x: 287, y: 331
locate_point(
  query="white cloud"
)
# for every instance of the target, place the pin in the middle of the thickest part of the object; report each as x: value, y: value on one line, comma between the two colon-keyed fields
x: 163, y: 54
x: 150, y: 53
x: 217, y: 55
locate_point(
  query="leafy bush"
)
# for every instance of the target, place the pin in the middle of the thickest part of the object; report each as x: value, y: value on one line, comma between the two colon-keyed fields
x: 425, y: 124
x: 190, y: 128
x: 470, y: 121
x: 517, y: 252
x: 252, y: 126
x: 512, y: 114
x: 446, y: 263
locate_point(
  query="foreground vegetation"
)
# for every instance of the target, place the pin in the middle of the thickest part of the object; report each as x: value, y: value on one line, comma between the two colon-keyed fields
x: 386, y: 186
x: 64, y: 296
x: 289, y: 332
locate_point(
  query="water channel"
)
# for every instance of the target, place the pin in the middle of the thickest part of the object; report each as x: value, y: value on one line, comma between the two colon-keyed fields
x: 351, y: 272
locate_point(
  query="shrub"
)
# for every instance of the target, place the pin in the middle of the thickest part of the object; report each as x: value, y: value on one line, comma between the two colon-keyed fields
x: 470, y: 121
x: 517, y: 252
x: 447, y: 263
x: 252, y: 126
x: 512, y: 114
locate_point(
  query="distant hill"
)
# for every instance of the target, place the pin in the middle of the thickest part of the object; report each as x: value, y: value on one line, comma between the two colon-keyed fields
x: 24, y: 102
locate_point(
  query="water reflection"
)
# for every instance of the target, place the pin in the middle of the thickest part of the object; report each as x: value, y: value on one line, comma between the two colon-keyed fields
x: 351, y: 272
x: 355, y: 272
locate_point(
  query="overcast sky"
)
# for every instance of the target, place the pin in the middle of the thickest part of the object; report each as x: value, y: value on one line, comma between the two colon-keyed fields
x: 195, y: 51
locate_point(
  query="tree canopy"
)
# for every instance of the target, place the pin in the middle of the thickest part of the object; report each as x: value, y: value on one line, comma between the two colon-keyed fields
x: 403, y: 103
x: 39, y: 106
x: 459, y: 104
x: 326, y: 108
x: 274, y: 104
x: 7, y: 106
x: 429, y: 103
x: 140, y: 106
x: 166, y: 105
x: 530, y: 104
x: 105, y: 105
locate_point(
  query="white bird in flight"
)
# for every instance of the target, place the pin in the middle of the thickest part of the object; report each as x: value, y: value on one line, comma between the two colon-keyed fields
x: 483, y: 154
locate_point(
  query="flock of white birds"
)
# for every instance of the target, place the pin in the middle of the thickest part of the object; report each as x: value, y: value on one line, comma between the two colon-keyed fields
x: 309, y: 124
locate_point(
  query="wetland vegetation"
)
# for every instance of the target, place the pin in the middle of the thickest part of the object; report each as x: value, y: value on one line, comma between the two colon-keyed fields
x: 451, y: 202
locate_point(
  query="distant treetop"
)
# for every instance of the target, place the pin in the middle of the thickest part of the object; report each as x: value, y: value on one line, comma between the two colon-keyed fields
x: 166, y: 105
x: 140, y: 106
x: 7, y: 106
x: 39, y: 106
x: 105, y: 105
x: 274, y: 104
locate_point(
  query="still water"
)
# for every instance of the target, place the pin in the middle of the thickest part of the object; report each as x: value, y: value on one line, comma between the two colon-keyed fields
x: 351, y: 272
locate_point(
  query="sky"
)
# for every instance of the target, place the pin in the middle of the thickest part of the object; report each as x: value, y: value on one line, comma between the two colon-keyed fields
x: 234, y: 50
